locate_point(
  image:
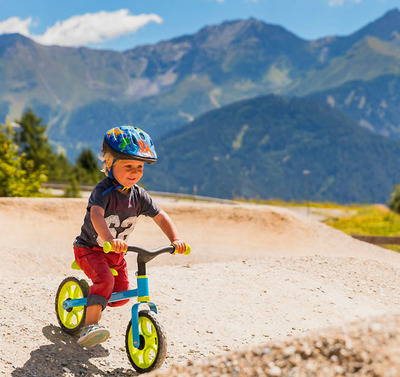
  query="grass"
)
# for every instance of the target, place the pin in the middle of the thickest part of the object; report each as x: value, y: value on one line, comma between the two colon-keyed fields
x: 372, y: 220
x: 376, y: 220
x: 282, y: 203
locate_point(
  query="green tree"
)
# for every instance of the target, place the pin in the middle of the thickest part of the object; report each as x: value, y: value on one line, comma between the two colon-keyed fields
x: 60, y: 169
x: 18, y: 175
x: 72, y: 190
x: 33, y: 140
x: 34, y: 143
x: 87, y: 168
x: 394, y: 203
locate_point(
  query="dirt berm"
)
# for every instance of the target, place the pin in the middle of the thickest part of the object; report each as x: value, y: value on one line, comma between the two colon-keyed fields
x: 265, y: 292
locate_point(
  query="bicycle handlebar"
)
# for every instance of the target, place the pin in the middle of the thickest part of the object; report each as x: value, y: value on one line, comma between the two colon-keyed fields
x: 108, y: 247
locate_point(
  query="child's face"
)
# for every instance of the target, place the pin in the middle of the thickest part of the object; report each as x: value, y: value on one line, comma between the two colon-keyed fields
x: 128, y: 172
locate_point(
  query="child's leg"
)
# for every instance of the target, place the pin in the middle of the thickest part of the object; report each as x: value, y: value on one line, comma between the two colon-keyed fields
x: 93, y: 314
x: 121, y: 281
x: 95, y: 265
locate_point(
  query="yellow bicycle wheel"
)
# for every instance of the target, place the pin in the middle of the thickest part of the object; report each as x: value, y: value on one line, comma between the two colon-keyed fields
x: 153, y: 343
x: 71, y: 320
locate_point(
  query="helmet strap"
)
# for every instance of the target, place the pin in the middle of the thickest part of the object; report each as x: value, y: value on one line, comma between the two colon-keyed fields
x: 109, y: 171
x: 117, y: 185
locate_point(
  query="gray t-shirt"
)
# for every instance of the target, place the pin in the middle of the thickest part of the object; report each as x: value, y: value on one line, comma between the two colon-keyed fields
x: 120, y: 212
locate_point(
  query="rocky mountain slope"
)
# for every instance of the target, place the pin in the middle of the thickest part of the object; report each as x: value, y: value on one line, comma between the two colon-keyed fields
x: 162, y: 86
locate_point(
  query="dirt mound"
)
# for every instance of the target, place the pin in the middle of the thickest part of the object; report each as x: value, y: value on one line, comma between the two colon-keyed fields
x: 256, y: 274
x: 366, y: 348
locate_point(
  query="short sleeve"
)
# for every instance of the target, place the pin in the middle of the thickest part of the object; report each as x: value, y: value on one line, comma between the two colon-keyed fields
x: 97, y: 196
x: 147, y: 206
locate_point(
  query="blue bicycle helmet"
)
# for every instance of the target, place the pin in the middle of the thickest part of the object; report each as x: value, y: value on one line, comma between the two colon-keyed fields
x: 129, y: 143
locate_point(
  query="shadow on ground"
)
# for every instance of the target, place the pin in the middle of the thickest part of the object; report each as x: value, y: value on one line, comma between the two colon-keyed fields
x: 64, y: 357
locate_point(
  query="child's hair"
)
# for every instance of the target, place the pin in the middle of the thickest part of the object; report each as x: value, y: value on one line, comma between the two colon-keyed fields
x: 107, y: 159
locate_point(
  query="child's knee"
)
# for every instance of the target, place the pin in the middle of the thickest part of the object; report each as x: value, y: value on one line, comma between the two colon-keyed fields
x: 103, y: 286
x: 97, y: 300
x: 118, y: 303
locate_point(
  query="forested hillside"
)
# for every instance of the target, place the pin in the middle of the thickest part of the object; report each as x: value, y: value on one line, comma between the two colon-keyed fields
x: 261, y: 148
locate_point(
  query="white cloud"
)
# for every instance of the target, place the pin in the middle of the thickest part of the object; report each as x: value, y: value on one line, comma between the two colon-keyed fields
x: 338, y: 3
x: 15, y: 25
x: 84, y: 29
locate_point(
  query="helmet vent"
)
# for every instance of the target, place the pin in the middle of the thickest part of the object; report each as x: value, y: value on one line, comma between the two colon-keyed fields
x: 134, y: 141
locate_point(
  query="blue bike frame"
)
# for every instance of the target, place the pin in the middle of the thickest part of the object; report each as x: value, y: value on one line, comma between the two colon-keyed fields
x: 142, y: 293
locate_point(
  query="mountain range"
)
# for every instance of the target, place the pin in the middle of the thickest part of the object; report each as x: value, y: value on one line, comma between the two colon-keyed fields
x: 262, y: 148
x: 165, y: 87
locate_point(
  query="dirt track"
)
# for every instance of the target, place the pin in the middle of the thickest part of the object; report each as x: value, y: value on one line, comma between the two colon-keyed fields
x: 257, y: 274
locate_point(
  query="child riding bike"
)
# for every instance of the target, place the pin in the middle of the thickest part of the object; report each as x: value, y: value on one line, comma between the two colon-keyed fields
x: 113, y: 208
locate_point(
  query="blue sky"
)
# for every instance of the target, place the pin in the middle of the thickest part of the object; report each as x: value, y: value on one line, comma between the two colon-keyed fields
x: 124, y: 24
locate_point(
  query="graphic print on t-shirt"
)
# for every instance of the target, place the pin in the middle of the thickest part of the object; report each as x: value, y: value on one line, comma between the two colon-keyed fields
x: 118, y: 229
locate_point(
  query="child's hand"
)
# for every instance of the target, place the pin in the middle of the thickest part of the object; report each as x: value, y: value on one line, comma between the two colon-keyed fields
x: 180, y: 246
x: 119, y: 245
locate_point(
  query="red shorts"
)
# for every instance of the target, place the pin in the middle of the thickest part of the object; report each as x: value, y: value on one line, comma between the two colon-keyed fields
x: 96, y: 265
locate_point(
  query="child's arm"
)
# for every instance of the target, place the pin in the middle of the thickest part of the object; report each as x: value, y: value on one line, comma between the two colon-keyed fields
x: 101, y: 227
x: 169, y: 229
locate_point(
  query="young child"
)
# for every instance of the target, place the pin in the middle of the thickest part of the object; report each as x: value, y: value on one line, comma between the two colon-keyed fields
x: 113, y: 208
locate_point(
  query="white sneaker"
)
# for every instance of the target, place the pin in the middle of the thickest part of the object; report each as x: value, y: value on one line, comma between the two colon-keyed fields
x: 92, y: 335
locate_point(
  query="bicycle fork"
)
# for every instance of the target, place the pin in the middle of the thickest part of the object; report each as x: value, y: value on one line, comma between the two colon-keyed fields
x: 143, y: 298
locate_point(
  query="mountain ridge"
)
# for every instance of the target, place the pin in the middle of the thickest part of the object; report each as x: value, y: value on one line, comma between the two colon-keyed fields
x: 161, y: 86
x: 259, y: 148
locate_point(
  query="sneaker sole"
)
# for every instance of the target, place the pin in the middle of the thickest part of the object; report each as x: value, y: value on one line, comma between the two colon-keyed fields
x: 94, y: 338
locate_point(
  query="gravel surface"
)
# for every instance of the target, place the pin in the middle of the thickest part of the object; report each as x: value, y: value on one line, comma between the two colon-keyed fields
x: 366, y: 348
x: 254, y: 299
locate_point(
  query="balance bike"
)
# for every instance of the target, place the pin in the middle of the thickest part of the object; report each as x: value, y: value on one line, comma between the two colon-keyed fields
x: 145, y: 339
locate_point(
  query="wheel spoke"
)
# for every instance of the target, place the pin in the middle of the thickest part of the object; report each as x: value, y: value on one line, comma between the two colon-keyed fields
x: 69, y: 290
x: 146, y: 327
x: 150, y: 339
x: 136, y: 357
x: 78, y: 310
x: 77, y: 292
x: 149, y: 355
x: 68, y: 318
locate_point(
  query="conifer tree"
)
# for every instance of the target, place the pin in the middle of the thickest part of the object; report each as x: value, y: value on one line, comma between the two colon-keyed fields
x: 394, y: 203
x: 87, y: 167
x: 33, y: 140
x: 34, y: 143
x: 18, y: 177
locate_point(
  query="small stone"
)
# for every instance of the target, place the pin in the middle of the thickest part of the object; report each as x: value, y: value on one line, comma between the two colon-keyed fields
x: 275, y: 372
x: 289, y: 351
x: 334, y: 359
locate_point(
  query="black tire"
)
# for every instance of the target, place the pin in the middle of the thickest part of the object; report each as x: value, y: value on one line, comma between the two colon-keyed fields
x: 72, y: 320
x: 152, y: 340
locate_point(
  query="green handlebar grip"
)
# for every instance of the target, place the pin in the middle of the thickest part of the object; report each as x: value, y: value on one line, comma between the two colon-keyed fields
x: 188, y: 250
x: 107, y: 247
